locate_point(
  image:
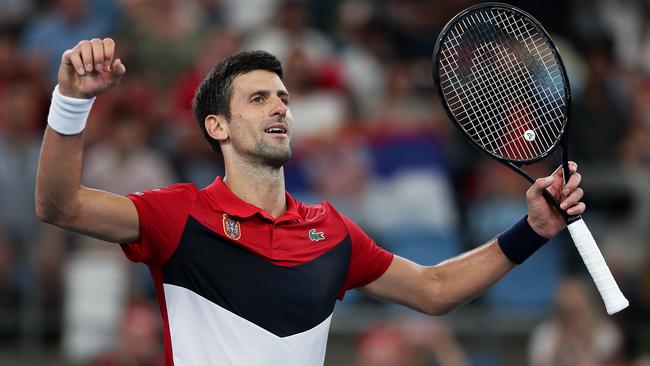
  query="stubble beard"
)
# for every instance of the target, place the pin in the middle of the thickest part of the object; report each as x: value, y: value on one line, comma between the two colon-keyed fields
x: 265, y: 154
x: 272, y: 156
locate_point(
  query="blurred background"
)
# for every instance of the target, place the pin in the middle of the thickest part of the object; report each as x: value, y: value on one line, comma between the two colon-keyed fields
x: 369, y: 136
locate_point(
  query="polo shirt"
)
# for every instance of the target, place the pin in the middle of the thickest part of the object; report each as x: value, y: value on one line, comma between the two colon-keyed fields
x: 236, y: 286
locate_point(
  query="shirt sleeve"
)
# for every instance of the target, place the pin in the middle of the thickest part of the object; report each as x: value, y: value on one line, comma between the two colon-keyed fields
x: 162, y: 214
x: 368, y: 261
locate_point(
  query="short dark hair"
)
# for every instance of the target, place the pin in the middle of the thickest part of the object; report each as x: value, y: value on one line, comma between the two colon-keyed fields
x: 214, y: 93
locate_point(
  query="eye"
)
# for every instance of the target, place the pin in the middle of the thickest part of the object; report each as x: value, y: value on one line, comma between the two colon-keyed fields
x: 257, y: 99
x: 285, y: 101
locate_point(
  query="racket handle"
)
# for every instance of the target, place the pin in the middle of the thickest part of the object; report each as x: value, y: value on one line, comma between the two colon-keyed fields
x: 614, y: 299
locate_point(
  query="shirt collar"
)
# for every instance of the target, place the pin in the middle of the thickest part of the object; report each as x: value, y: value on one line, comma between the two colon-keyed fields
x: 231, y: 204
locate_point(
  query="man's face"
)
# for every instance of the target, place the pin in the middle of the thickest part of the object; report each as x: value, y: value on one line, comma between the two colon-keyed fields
x: 260, y: 120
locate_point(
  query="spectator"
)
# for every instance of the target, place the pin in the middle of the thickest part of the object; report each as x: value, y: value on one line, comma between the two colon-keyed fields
x: 291, y: 31
x: 26, y: 246
x: 410, y: 342
x: 14, y: 12
x: 125, y: 162
x: 595, y: 138
x: 363, y: 73
x: 320, y: 111
x: 19, y: 150
x: 51, y: 33
x: 195, y: 160
x: 138, y: 341
x: 168, y: 37
x: 383, y: 345
x: 576, y: 335
x: 638, y: 318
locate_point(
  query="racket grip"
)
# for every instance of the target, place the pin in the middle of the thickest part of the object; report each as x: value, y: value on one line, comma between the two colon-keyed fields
x: 614, y: 299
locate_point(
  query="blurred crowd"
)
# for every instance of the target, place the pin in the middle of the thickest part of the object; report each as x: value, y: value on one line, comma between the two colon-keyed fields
x: 369, y: 136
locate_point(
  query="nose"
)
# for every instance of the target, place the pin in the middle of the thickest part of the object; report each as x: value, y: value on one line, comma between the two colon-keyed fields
x: 279, y: 108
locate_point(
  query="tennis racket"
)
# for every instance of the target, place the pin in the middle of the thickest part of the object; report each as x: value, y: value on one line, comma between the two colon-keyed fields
x: 502, y: 83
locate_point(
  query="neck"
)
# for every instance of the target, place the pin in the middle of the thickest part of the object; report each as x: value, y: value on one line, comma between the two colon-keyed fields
x: 261, y: 186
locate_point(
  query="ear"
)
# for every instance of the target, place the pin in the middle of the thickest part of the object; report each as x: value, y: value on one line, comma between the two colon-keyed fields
x: 217, y: 127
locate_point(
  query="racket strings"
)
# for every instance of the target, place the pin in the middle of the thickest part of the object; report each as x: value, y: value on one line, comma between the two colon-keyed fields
x: 490, y: 81
x: 523, y: 104
x: 495, y: 136
x: 490, y: 134
x: 521, y: 72
x: 511, y: 98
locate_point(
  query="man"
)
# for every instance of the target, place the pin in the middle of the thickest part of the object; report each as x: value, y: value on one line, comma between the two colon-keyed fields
x: 245, y: 274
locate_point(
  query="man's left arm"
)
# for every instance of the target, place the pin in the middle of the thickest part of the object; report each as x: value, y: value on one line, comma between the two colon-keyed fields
x: 438, y: 289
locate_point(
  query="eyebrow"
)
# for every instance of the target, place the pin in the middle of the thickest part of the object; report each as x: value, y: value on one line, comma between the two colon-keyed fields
x: 266, y: 93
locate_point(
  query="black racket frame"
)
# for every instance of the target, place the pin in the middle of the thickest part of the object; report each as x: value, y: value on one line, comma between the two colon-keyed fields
x: 562, y: 141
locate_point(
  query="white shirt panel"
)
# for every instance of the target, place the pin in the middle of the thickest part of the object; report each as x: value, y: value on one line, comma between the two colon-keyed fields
x: 203, y: 333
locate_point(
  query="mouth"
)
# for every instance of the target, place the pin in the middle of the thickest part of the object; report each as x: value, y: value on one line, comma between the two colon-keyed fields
x: 276, y: 130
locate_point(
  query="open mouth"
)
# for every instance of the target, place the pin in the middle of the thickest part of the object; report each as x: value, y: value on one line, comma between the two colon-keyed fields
x: 276, y: 130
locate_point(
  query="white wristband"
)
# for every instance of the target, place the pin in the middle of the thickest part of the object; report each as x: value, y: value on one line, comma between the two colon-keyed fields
x: 68, y: 115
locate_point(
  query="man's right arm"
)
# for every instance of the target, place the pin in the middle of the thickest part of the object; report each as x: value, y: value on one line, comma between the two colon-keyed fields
x: 86, y: 71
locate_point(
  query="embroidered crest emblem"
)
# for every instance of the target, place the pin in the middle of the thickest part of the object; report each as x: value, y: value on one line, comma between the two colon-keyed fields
x: 316, y: 235
x: 231, y: 227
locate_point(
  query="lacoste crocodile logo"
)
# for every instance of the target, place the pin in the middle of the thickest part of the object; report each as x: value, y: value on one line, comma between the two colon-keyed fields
x: 316, y: 235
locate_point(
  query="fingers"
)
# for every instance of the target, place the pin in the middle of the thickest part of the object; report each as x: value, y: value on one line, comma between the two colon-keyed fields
x: 109, y: 51
x: 578, y: 209
x: 118, y: 69
x: 573, y: 166
x: 571, y: 193
x: 74, y: 58
x: 98, y: 54
x: 573, y: 182
x: 539, y: 186
x: 572, y: 199
x: 88, y: 56
x: 86, y: 50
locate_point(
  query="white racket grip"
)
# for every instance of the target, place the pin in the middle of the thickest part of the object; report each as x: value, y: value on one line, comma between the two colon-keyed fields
x: 614, y: 299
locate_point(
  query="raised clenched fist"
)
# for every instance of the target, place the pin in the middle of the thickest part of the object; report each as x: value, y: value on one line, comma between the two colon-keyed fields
x: 88, y: 69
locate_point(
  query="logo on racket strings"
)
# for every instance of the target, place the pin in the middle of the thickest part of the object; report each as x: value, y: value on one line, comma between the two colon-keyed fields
x: 529, y: 135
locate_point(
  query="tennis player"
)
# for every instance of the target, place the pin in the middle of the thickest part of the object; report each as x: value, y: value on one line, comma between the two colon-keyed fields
x: 244, y: 273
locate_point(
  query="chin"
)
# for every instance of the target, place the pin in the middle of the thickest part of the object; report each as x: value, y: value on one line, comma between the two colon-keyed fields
x: 274, y: 156
x: 278, y: 160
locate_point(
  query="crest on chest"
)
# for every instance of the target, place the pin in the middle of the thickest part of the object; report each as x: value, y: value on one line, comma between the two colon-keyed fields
x: 231, y: 227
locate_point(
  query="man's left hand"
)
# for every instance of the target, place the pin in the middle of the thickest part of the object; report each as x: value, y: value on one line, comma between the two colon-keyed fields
x: 543, y: 217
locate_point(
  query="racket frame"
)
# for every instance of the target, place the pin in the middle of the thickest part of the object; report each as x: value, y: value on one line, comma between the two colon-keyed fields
x: 612, y: 296
x: 514, y: 165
